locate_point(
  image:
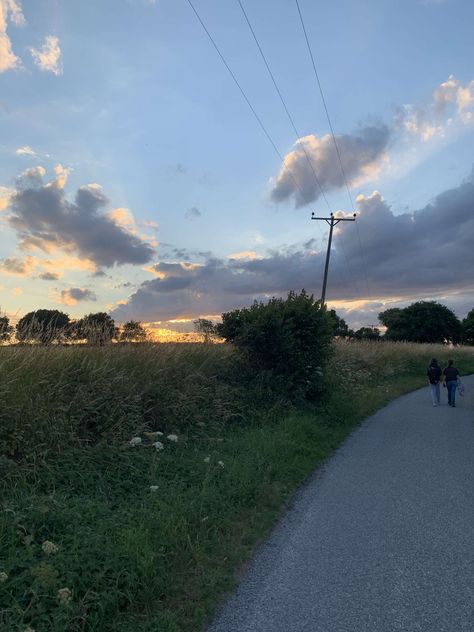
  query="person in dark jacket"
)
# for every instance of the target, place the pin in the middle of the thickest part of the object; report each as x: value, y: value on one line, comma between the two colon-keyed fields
x: 451, y: 375
x: 434, y: 378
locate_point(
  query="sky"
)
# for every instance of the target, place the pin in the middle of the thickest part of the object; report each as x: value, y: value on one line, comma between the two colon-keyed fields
x: 136, y: 179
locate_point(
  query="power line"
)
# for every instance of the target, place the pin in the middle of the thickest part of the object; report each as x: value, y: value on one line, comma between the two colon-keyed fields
x: 292, y: 122
x: 247, y: 100
x: 332, y: 134
x: 298, y: 135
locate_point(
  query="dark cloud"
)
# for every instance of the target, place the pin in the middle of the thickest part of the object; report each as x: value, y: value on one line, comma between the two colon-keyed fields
x: 193, y: 213
x: 425, y: 254
x: 75, y: 294
x: 359, y: 153
x: 45, y: 219
x: 48, y: 276
x: 15, y: 265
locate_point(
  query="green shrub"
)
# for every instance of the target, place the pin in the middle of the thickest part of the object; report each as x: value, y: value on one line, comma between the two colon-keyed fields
x: 287, y: 341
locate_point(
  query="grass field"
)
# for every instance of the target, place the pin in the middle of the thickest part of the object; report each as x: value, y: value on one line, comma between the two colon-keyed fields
x: 100, y: 535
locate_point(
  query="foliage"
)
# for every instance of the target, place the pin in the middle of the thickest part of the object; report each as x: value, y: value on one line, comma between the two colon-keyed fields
x: 45, y: 326
x: 287, y: 339
x: 97, y: 329
x: 340, y: 328
x: 6, y: 330
x: 423, y: 321
x: 367, y: 333
x: 143, y: 560
x: 468, y: 328
x: 132, y: 331
x: 206, y: 328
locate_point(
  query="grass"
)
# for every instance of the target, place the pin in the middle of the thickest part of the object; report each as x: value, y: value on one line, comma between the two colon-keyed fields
x: 137, y: 559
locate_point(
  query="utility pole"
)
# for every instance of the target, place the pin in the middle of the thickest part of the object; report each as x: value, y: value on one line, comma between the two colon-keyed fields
x: 331, y: 221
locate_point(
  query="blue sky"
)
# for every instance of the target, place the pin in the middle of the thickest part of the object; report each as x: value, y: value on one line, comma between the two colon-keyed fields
x: 130, y: 96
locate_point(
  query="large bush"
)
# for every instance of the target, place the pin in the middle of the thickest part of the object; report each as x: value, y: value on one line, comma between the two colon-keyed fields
x: 286, y: 339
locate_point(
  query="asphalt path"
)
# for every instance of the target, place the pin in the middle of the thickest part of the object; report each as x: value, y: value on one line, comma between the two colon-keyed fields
x: 380, y: 539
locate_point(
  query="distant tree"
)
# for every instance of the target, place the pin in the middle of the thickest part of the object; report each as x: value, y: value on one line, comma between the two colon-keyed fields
x: 367, y: 333
x: 45, y: 326
x: 468, y: 328
x: 423, y: 321
x: 6, y: 330
x: 132, y: 331
x: 206, y: 328
x: 97, y: 329
x: 340, y: 328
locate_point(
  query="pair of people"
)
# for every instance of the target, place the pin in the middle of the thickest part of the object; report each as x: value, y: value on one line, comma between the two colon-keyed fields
x: 450, y: 381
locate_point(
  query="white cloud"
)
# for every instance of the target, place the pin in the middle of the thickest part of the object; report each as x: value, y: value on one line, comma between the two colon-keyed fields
x: 48, y: 58
x: 25, y: 150
x: 10, y: 11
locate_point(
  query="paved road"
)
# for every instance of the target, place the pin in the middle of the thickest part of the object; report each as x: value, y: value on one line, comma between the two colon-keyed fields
x: 381, y: 539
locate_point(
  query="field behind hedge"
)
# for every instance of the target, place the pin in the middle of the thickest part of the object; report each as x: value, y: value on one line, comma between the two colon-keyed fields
x: 145, y: 538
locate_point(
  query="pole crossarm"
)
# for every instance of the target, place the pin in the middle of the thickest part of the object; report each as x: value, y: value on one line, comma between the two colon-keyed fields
x: 331, y: 221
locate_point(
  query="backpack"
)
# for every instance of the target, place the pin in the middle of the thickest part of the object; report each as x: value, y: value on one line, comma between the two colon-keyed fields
x: 434, y: 373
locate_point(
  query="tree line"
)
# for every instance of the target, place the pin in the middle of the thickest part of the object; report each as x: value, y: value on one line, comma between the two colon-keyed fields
x: 51, y: 326
x: 422, y: 321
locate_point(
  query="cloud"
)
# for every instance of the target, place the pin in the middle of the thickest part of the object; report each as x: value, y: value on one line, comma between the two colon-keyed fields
x: 46, y: 220
x: 74, y: 295
x: 245, y: 254
x: 360, y: 154
x: 25, y: 150
x: 407, y: 256
x: 48, y: 58
x: 375, y: 149
x: 49, y: 276
x: 18, y: 266
x: 5, y: 197
x: 450, y: 108
x: 193, y: 213
x: 10, y: 11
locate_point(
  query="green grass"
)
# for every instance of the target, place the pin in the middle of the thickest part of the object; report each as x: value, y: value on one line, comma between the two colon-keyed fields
x: 136, y: 559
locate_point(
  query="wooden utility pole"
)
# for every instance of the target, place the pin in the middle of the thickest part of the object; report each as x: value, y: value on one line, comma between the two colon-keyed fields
x: 331, y: 221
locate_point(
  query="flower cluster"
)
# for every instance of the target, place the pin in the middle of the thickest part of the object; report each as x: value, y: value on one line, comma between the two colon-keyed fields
x: 64, y: 595
x: 49, y: 547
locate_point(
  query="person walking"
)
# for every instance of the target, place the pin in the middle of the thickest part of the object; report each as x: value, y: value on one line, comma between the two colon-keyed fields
x: 434, y: 378
x: 451, y: 375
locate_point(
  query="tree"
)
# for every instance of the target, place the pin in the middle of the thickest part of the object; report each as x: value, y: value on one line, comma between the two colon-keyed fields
x: 45, y: 326
x: 6, y: 330
x: 340, y: 328
x: 132, y: 331
x: 367, y: 333
x: 423, y: 321
x: 468, y: 328
x: 97, y: 329
x: 289, y: 339
x: 206, y: 328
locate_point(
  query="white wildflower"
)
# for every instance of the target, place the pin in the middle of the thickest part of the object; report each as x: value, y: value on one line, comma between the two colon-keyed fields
x: 3, y: 577
x: 49, y: 547
x: 153, y: 488
x: 220, y: 463
x: 158, y: 445
x: 172, y: 437
x: 205, y: 519
x: 64, y: 595
x: 29, y: 629
x: 135, y: 441
x: 207, y: 459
